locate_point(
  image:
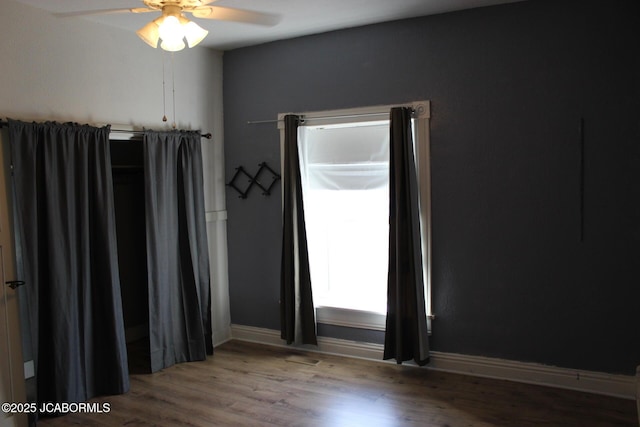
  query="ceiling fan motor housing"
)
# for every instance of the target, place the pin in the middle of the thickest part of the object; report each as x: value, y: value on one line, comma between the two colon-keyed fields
x: 182, y: 4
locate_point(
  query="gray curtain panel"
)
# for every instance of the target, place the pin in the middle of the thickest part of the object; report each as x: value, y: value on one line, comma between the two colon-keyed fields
x: 177, y: 250
x: 66, y: 228
x: 406, y: 335
x: 297, y: 316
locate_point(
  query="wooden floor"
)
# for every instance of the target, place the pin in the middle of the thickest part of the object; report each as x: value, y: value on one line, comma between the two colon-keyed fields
x: 250, y: 384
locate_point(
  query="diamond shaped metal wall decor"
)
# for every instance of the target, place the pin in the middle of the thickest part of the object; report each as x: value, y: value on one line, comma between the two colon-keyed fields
x: 253, y: 180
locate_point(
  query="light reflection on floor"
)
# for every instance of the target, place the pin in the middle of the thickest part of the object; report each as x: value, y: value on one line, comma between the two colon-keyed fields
x: 359, y: 411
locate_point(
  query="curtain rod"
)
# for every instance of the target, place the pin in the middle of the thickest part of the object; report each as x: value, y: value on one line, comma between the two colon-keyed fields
x: 344, y: 116
x: 134, y: 132
x: 141, y: 132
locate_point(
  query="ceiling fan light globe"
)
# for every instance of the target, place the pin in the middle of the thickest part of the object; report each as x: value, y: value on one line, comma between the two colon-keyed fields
x: 194, y: 33
x: 170, y: 29
x: 172, y: 45
x: 149, y: 34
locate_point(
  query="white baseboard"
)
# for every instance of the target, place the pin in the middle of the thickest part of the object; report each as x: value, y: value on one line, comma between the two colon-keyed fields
x: 621, y: 386
x: 221, y: 336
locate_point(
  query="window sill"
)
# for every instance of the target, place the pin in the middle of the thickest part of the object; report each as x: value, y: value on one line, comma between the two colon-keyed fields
x: 351, y: 318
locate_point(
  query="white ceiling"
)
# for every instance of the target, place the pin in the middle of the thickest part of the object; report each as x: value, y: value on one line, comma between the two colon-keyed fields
x: 299, y: 17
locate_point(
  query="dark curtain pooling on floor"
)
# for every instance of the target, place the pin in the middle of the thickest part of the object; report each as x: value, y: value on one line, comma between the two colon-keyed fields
x: 177, y: 251
x: 406, y: 335
x: 66, y: 229
x: 297, y: 317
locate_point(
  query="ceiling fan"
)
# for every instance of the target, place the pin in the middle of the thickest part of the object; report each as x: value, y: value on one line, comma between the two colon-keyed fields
x: 172, y: 28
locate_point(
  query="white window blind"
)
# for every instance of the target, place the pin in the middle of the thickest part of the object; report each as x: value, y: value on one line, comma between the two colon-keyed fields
x: 345, y: 177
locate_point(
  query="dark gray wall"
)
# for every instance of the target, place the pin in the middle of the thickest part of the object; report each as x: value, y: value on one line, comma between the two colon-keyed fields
x: 508, y: 85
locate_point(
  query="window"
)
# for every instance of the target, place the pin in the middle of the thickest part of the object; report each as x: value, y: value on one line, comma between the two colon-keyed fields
x: 345, y: 177
x: 344, y: 163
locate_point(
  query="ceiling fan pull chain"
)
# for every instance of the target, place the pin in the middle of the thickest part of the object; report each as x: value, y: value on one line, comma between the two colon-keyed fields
x: 164, y: 101
x: 173, y: 83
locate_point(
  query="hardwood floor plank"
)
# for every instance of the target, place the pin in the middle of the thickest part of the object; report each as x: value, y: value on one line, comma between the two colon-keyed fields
x: 251, y: 384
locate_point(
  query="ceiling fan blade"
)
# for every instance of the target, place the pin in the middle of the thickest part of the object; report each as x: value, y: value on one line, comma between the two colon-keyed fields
x: 236, y: 15
x: 142, y: 10
x: 102, y: 12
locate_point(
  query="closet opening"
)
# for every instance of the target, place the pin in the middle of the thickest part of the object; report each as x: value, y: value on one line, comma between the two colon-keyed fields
x: 129, y: 194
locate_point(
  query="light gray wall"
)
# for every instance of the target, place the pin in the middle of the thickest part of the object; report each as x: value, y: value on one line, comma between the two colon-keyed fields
x: 76, y: 70
x: 508, y: 86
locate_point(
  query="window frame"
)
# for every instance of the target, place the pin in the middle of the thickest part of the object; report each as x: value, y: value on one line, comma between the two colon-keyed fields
x: 422, y: 114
